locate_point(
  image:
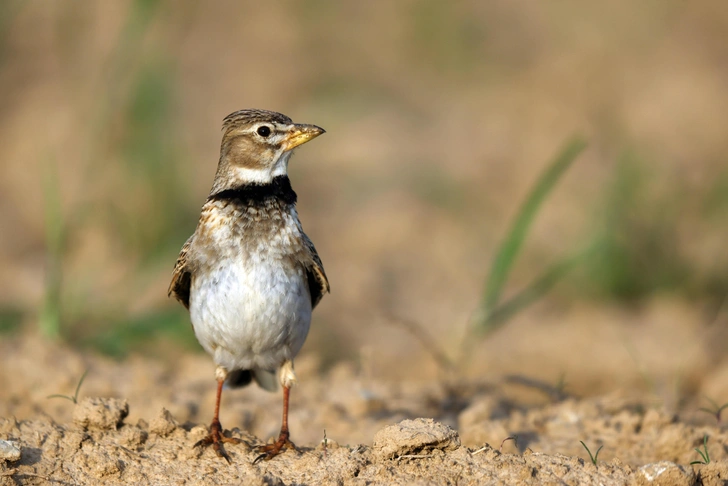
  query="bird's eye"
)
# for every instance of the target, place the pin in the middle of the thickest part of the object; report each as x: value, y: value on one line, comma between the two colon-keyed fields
x: 264, y: 131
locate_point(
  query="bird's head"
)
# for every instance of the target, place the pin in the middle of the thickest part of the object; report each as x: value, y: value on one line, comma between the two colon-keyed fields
x: 256, y: 146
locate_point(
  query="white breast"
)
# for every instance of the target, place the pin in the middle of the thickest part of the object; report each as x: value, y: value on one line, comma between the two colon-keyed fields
x: 251, y: 311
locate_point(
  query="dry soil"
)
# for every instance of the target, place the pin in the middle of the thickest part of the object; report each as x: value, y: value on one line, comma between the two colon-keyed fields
x: 136, y: 422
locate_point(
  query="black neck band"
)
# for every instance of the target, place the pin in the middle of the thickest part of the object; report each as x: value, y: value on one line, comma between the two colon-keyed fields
x: 279, y: 188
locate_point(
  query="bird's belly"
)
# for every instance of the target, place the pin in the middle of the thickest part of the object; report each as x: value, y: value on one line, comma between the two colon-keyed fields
x: 251, y: 314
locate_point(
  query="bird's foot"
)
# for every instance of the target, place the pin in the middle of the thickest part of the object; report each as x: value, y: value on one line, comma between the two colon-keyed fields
x: 269, y: 451
x: 216, y: 438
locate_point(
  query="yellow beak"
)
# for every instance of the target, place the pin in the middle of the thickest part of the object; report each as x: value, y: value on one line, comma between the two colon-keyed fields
x: 302, y: 134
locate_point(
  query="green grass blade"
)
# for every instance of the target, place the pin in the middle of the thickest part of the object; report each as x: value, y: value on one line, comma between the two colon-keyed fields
x: 712, y: 402
x: 78, y: 387
x: 550, y: 277
x: 50, y: 318
x: 56, y: 395
x: 594, y: 457
x: 510, y: 248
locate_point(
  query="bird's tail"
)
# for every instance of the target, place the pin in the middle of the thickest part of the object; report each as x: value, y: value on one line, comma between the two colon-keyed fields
x: 266, y: 379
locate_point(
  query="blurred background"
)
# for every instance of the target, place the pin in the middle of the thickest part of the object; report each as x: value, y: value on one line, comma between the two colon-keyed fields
x: 442, y: 120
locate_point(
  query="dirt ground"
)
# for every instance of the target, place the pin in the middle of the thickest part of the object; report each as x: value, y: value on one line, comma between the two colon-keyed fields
x: 136, y: 422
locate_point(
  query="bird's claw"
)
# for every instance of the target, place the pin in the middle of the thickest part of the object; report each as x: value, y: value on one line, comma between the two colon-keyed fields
x: 269, y: 451
x: 216, y: 438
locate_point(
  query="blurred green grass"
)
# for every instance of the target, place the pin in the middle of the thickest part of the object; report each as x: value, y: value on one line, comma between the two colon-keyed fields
x: 50, y: 316
x: 636, y: 239
x: 150, y: 214
x: 640, y: 239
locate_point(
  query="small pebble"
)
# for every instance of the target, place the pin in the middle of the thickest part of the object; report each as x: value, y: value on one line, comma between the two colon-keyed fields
x: 664, y: 473
x: 9, y: 452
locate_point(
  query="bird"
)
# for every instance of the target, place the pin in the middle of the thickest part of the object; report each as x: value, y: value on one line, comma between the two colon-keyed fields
x: 249, y: 275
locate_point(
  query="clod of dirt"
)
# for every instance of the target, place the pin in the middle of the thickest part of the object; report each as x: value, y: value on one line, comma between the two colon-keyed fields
x: 133, y: 436
x: 163, y: 424
x: 714, y: 474
x: 100, y: 413
x: 664, y: 473
x: 413, y: 437
x: 9, y: 452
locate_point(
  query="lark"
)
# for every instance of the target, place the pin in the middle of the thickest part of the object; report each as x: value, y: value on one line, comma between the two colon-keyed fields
x: 249, y: 275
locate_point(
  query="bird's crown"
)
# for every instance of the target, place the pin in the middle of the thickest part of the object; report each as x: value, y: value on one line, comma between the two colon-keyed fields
x: 253, y: 116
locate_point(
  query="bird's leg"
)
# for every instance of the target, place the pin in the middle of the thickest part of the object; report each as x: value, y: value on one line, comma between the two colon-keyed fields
x: 216, y: 436
x: 269, y: 451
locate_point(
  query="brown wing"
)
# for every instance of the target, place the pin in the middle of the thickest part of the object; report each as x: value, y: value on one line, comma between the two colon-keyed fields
x: 181, y: 277
x: 318, y: 284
